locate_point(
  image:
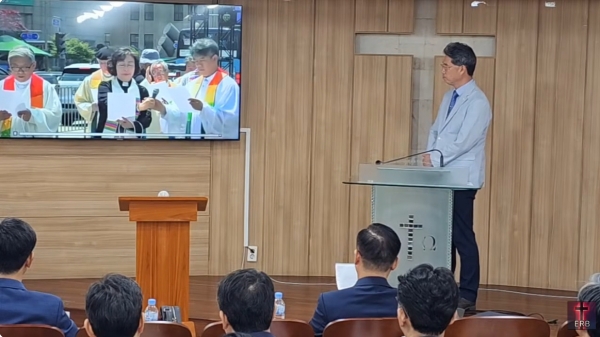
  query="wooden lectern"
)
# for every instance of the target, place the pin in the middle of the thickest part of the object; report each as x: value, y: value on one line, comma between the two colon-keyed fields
x: 163, y: 246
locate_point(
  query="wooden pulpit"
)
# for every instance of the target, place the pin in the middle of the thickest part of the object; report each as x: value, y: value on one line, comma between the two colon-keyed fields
x: 163, y: 246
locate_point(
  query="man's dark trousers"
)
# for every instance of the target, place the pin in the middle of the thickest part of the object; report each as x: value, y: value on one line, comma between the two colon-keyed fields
x: 463, y: 241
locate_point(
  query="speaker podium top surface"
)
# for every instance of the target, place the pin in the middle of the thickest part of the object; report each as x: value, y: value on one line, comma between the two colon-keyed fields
x: 456, y: 178
x: 163, y: 209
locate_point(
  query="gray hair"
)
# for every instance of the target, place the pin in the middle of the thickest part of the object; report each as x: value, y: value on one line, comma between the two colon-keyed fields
x: 161, y: 63
x: 204, y: 47
x: 189, y: 59
x: 22, y: 51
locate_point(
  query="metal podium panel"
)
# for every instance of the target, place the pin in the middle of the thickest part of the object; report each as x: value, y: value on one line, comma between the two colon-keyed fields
x: 422, y: 218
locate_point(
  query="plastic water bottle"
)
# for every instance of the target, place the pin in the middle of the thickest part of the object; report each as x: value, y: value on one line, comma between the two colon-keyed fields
x: 279, y: 306
x: 151, y: 312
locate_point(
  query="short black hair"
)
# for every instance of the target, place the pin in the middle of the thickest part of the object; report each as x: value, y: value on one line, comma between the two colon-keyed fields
x: 120, y: 55
x: 17, y: 241
x: 462, y: 55
x: 429, y: 297
x: 205, y: 47
x: 247, y: 298
x: 591, y: 293
x: 114, y: 306
x: 237, y: 334
x: 379, y: 246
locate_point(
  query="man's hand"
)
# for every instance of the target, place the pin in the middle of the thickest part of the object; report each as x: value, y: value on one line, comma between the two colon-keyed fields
x: 427, y: 160
x: 147, y: 104
x: 196, y: 104
x: 25, y: 115
x: 4, y: 115
x: 94, y: 107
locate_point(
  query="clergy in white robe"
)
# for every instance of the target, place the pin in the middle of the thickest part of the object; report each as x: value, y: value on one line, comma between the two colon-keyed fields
x: 214, y: 97
x: 86, y: 97
x: 34, y: 104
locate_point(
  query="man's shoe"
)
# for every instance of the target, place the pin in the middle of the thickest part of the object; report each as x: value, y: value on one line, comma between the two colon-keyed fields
x: 466, y: 304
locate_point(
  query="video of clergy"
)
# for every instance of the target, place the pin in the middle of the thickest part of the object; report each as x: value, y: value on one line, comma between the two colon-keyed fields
x: 119, y: 70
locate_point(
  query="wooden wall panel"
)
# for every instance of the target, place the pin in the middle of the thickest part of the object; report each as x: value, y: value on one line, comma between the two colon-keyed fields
x: 557, y: 157
x: 254, y: 114
x: 485, y: 78
x: 480, y: 20
x: 589, y: 230
x: 401, y: 16
x: 449, y: 17
x: 332, y: 102
x: 512, y: 164
x: 368, y: 122
x: 289, y: 134
x: 398, y: 107
x: 370, y: 16
x: 107, y: 245
x: 227, y: 206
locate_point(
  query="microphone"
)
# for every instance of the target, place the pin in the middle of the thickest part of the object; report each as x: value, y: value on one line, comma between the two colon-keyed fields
x: 379, y: 162
x: 155, y: 93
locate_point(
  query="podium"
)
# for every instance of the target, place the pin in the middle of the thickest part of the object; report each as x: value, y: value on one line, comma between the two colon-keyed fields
x: 416, y: 202
x: 163, y: 246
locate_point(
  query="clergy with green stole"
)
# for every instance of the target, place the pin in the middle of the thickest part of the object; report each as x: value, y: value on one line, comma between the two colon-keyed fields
x: 214, y: 97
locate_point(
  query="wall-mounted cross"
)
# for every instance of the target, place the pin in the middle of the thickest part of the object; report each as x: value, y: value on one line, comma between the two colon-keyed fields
x: 410, y: 227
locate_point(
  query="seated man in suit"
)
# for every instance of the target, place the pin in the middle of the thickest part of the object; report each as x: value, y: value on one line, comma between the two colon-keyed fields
x: 17, y: 304
x: 246, y: 301
x: 427, y: 301
x: 376, y: 255
x: 113, y: 307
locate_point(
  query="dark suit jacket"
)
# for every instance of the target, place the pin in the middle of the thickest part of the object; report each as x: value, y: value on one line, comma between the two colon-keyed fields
x: 21, y: 306
x: 261, y: 334
x: 370, y: 297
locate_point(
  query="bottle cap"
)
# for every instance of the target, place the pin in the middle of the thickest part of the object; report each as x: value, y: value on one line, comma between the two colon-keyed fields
x: 151, y: 301
x: 278, y: 295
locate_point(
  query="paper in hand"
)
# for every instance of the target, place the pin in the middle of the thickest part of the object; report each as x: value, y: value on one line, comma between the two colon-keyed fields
x: 345, y: 275
x: 181, y: 96
x: 120, y: 105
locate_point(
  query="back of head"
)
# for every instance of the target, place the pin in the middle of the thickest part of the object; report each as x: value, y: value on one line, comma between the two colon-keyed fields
x: 247, y: 298
x: 114, y: 306
x: 237, y: 334
x: 429, y: 298
x: 378, y: 246
x: 17, y: 241
x: 591, y: 293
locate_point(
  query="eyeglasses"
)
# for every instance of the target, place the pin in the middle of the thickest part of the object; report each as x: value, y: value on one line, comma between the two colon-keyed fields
x: 20, y: 69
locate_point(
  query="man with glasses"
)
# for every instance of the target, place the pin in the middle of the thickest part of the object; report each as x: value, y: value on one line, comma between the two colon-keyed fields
x: 86, y: 97
x: 459, y: 133
x: 214, y: 98
x: 28, y: 103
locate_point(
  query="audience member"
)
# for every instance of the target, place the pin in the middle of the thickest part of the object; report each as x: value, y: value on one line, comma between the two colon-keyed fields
x: 17, y: 304
x: 246, y: 301
x: 591, y: 293
x: 376, y: 255
x: 113, y: 307
x: 427, y: 301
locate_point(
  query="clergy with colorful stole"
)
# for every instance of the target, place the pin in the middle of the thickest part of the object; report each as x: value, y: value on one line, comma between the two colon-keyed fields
x: 214, y: 98
x: 86, y: 97
x: 118, y: 116
x: 28, y: 103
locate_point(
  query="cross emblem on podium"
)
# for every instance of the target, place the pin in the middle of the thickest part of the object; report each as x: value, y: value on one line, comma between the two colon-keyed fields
x: 411, y: 226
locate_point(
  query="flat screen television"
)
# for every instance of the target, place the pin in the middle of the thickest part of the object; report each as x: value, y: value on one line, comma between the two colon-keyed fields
x: 119, y: 70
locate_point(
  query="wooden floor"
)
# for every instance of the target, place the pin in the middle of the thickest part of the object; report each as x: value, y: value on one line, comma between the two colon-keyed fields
x: 301, y: 293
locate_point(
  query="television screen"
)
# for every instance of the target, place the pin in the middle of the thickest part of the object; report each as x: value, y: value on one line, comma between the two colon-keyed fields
x: 119, y: 70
